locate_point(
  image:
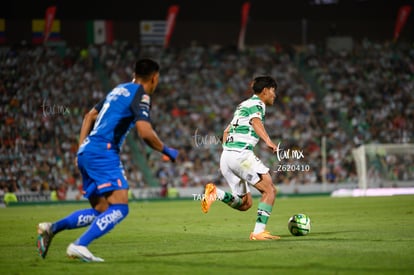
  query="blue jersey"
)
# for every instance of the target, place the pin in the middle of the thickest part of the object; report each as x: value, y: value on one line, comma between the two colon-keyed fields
x: 118, y: 112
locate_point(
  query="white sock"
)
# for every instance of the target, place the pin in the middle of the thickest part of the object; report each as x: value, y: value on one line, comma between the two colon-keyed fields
x: 235, y: 200
x: 220, y: 194
x: 259, y: 227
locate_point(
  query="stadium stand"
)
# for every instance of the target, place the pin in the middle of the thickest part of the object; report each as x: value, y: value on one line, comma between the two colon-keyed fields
x: 359, y: 97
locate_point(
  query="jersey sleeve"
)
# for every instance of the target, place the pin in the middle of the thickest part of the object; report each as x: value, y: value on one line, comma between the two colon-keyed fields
x: 256, y: 110
x: 99, y: 105
x: 141, y: 105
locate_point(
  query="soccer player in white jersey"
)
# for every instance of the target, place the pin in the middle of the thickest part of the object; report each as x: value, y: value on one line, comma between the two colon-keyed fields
x: 239, y: 165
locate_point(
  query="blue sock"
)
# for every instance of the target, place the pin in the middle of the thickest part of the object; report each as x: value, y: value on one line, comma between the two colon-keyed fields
x: 104, y: 223
x: 77, y: 219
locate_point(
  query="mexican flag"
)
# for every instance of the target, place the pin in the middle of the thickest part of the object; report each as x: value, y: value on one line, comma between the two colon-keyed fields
x: 100, y: 32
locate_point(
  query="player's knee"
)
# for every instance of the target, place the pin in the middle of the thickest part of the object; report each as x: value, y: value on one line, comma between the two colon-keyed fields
x: 247, y: 203
x: 124, y: 208
x: 118, y: 212
x: 270, y: 190
x: 274, y: 190
x: 101, y: 207
x: 100, y: 204
x: 245, y: 206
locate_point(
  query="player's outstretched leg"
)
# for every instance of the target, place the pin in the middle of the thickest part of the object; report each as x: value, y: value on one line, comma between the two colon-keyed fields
x: 104, y: 223
x: 44, y: 238
x: 47, y: 230
x: 212, y: 193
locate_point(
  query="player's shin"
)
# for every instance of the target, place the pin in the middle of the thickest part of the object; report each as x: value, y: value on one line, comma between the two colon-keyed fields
x: 104, y: 223
x: 77, y: 219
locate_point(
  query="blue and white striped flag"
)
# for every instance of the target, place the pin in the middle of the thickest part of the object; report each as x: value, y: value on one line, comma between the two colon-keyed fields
x: 153, y: 32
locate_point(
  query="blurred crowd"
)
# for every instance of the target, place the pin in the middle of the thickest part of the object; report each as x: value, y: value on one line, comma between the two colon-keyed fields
x: 367, y: 95
x: 44, y: 94
x: 361, y: 96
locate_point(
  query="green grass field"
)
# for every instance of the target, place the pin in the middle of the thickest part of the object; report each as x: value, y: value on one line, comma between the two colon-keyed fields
x: 349, y: 236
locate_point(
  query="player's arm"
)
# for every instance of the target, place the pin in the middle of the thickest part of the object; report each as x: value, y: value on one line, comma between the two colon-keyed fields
x: 87, y: 124
x: 147, y: 133
x: 226, y: 133
x: 150, y: 137
x: 262, y: 133
x: 140, y: 107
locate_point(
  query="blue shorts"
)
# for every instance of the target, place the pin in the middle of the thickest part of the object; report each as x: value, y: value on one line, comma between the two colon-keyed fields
x: 101, y: 173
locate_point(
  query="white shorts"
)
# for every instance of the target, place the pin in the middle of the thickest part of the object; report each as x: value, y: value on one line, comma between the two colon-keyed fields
x: 241, y: 169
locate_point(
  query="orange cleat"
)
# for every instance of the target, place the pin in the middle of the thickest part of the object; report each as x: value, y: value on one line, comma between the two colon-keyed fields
x: 210, y: 195
x: 263, y: 236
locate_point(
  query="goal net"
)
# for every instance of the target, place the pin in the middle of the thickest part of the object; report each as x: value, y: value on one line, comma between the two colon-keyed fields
x: 384, y: 165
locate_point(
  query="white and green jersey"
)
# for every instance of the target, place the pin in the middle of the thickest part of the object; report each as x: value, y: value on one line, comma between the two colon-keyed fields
x: 241, y: 135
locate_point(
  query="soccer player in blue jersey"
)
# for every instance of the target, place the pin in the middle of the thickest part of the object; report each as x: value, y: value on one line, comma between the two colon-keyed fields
x: 103, y: 131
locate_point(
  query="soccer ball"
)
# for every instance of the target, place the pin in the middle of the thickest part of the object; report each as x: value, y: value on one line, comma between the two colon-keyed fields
x: 299, y: 225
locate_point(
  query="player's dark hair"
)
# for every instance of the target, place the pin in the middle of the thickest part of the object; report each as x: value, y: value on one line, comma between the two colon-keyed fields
x: 145, y: 67
x: 261, y: 82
